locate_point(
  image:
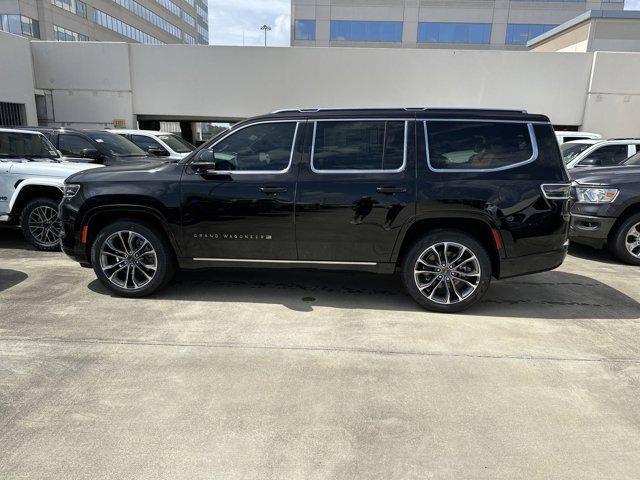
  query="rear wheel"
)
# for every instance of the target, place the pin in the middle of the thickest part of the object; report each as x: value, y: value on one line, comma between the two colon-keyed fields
x: 132, y: 259
x: 447, y: 271
x: 625, y: 244
x: 40, y: 224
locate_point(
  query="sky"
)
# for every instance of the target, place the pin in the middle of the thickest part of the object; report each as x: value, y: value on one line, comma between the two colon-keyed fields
x: 228, y: 19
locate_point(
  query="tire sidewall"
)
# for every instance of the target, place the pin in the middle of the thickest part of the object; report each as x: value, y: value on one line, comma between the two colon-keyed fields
x: 619, y: 243
x: 165, y: 268
x: 24, y: 222
x: 446, y: 236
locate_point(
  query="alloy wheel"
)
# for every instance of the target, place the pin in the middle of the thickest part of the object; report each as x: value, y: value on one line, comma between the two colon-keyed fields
x: 128, y: 260
x: 632, y: 240
x: 447, y: 273
x: 44, y: 226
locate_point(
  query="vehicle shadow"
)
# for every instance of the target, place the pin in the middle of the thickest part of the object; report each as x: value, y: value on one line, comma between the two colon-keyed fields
x: 590, y: 253
x: 552, y: 294
x: 10, y: 278
x: 11, y: 237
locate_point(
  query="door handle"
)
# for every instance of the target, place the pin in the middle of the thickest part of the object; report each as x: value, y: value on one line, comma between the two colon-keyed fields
x: 388, y: 189
x: 271, y: 190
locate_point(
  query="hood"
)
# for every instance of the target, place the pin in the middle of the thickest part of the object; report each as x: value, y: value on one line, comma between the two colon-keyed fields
x: 51, y: 169
x: 126, y: 172
x: 606, y: 175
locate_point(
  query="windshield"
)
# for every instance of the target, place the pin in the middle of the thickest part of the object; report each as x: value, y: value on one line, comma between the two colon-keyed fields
x: 571, y: 150
x: 632, y: 160
x: 25, y: 145
x: 116, y: 145
x: 177, y: 144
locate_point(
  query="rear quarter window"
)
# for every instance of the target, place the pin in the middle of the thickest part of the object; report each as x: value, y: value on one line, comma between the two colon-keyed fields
x: 481, y: 145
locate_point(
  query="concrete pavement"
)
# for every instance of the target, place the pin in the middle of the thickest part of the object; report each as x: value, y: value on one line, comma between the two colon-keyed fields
x: 316, y: 375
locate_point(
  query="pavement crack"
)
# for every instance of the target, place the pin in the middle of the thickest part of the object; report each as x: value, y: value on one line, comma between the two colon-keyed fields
x: 312, y: 348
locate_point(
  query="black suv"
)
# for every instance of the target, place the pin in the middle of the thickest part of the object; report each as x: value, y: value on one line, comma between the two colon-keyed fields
x: 606, y: 209
x: 96, y: 146
x: 449, y: 197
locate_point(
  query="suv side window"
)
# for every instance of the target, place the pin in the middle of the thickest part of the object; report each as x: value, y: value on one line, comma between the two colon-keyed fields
x: 145, y: 143
x: 359, y: 145
x: 70, y: 144
x: 606, y: 156
x: 478, y: 145
x: 260, y: 147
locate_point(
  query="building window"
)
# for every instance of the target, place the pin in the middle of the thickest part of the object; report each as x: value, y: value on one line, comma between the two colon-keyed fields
x: 169, y: 5
x: 202, y: 13
x: 150, y: 17
x: 190, y: 2
x: 189, y: 39
x: 521, y: 33
x: 12, y: 114
x: 443, y: 32
x: 188, y: 18
x: 124, y: 29
x: 204, y: 33
x: 73, y: 6
x: 305, y: 29
x: 343, y: 30
x: 20, y: 25
x: 64, y: 35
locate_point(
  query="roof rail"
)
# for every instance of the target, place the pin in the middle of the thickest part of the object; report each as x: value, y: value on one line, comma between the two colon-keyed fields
x: 408, y: 109
x: 620, y: 138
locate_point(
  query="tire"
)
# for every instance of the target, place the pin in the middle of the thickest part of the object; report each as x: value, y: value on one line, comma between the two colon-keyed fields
x: 461, y: 287
x: 625, y: 243
x: 40, y: 224
x: 132, y: 259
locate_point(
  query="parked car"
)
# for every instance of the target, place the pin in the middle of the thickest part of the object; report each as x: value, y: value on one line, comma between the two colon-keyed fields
x: 606, y: 209
x: 95, y: 146
x: 598, y: 153
x: 160, y: 144
x: 564, y: 136
x: 451, y: 198
x: 32, y: 176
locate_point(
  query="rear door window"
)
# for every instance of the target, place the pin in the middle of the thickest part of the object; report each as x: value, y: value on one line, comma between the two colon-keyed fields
x: 606, y: 156
x: 343, y: 146
x: 145, y: 143
x: 478, y: 145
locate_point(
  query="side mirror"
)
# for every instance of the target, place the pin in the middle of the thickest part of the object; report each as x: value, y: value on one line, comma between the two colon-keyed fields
x: 158, y: 152
x: 90, y: 153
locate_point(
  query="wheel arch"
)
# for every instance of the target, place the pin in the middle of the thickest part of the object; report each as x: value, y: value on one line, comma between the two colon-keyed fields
x: 479, y: 229
x: 626, y: 213
x: 27, y: 190
x: 98, y: 218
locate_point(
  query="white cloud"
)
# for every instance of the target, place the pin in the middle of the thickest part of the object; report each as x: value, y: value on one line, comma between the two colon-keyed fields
x: 230, y: 19
x: 632, y: 5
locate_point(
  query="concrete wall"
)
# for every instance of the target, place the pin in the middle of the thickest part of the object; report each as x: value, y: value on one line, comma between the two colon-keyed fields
x: 93, y: 84
x: 16, y: 74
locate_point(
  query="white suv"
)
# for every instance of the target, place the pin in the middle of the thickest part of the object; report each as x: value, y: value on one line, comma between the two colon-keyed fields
x: 32, y: 174
x: 598, y: 153
x: 161, y: 144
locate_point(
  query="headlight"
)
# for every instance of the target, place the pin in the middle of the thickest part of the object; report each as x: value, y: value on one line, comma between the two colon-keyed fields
x: 70, y: 190
x: 596, y: 194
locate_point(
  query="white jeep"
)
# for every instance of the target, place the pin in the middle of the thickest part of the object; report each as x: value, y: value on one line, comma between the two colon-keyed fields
x: 32, y: 174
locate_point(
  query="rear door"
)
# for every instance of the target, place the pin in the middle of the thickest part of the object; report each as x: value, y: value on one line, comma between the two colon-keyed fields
x: 356, y: 188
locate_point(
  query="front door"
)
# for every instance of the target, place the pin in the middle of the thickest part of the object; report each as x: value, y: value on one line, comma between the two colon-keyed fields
x: 242, y: 207
x: 356, y: 190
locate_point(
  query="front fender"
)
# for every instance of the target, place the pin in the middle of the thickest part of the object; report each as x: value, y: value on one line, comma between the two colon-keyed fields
x: 57, y: 183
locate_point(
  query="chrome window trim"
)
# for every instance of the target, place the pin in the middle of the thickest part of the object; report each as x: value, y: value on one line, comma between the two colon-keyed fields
x: 258, y: 172
x: 366, y: 171
x: 533, y: 158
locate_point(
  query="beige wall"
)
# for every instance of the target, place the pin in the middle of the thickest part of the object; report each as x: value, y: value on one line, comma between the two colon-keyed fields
x: 16, y: 74
x: 98, y: 82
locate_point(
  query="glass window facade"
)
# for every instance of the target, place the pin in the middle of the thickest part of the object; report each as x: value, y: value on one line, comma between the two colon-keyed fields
x: 351, y: 31
x: 189, y: 19
x: 189, y: 39
x: 169, y: 5
x: 305, y: 30
x: 118, y: 26
x: 202, y: 13
x: 65, y: 35
x: 444, y: 32
x: 521, y: 33
x: 204, y: 33
x: 73, y: 6
x: 150, y: 17
x: 20, y: 25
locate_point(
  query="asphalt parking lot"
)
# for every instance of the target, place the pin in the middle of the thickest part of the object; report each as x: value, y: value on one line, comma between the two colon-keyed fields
x: 316, y: 375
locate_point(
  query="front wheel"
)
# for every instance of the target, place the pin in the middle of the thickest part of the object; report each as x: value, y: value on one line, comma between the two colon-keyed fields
x: 447, y: 271
x: 625, y: 243
x: 40, y: 224
x: 132, y: 259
